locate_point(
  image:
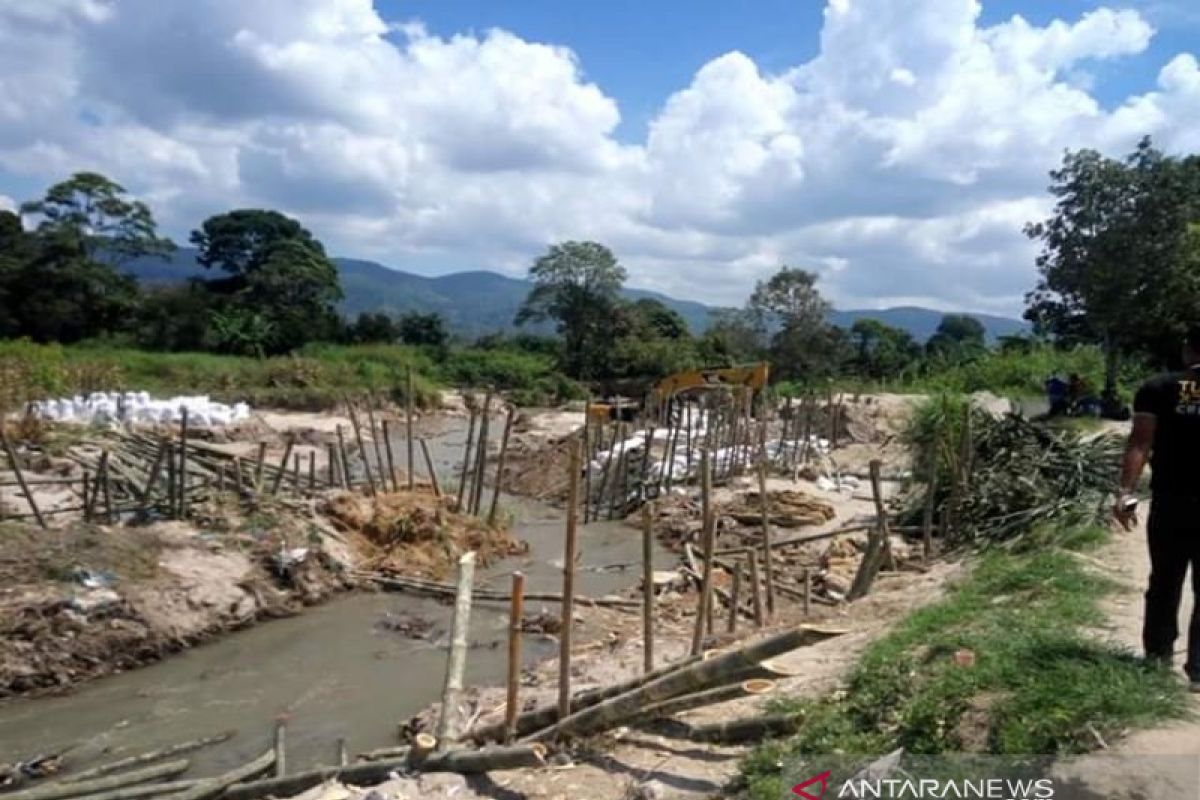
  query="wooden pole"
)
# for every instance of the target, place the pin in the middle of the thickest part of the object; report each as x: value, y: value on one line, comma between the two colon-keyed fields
x: 409, y: 399
x: 705, y: 601
x: 281, y: 746
x: 568, y: 590
x: 433, y: 478
x: 735, y: 591
x: 376, y: 446
x: 182, y: 475
x: 391, y: 458
x: 283, y: 463
x: 495, y: 506
x: 152, y: 475
x: 362, y: 448
x: 172, y: 480
x: 312, y: 470
x: 343, y: 756
x: 331, y: 464
x: 516, y: 613
x: 448, y: 723
x: 807, y: 591
x: 343, y: 461
x: 12, y: 457
x: 607, y: 473
x: 466, y: 465
x: 672, y: 444
x: 587, y: 452
x: 87, y: 484
x: 481, y: 447
x: 296, y: 473
x: 259, y: 463
x: 755, y: 589
x: 768, y: 566
x: 931, y: 486
x: 109, y: 514
x: 647, y: 588
x: 876, y: 543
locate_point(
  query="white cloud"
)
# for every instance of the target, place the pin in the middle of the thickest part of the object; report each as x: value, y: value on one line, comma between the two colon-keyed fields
x: 901, y: 161
x: 7, y: 203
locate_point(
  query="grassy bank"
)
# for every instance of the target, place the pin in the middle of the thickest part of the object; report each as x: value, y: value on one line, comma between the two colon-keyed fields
x: 313, y: 378
x: 1038, y: 685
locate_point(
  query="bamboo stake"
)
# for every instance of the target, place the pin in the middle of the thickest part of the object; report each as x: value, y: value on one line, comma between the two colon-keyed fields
x: 768, y: 566
x: 755, y: 590
x: 876, y: 543
x: 735, y: 591
x: 259, y: 463
x: 612, y: 445
x: 172, y: 479
x: 448, y: 723
x: 182, y: 474
x: 508, y: 422
x: 807, y: 601
x: 568, y: 591
x: 87, y: 482
x: 687, y: 441
x: 343, y: 461
x: 391, y: 458
x: 283, y: 463
x: 12, y: 457
x: 485, y: 424
x: 409, y: 399
x: 109, y: 515
x: 383, y: 481
x: 466, y: 466
x: 281, y: 746
x: 704, y: 605
x: 296, y: 473
x: 931, y: 486
x: 647, y: 589
x: 672, y: 444
x: 433, y: 478
x: 312, y: 470
x: 331, y: 465
x: 587, y: 450
x: 516, y: 612
x: 362, y: 448
x: 643, y: 487
x: 342, y: 756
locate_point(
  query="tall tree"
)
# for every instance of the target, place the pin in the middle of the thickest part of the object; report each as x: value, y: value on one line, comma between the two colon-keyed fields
x: 1113, y: 259
x: 281, y: 289
x: 577, y: 284
x: 423, y: 329
x: 804, y: 344
x: 92, y: 214
x: 882, y: 351
x: 958, y: 336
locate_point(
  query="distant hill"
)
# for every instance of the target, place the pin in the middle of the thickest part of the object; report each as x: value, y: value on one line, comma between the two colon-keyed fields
x: 479, y: 302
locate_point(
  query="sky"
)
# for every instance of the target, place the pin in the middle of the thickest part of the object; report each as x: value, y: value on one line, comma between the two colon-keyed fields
x: 894, y: 147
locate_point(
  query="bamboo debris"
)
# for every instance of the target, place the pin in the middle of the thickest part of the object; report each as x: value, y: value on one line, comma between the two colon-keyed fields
x: 213, y: 787
x: 16, y: 465
x: 148, y: 757
x: 515, y: 616
x: 422, y: 586
x: 448, y: 729
x: 568, y: 592
x: 708, y: 697
x: 692, y: 678
x: 54, y: 791
x: 647, y: 589
x: 167, y: 789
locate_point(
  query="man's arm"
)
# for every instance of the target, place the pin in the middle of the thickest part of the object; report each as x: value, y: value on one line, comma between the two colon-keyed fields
x: 1137, y: 453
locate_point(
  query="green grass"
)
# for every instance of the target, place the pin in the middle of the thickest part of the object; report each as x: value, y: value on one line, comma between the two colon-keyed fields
x: 315, y: 377
x: 1039, y: 685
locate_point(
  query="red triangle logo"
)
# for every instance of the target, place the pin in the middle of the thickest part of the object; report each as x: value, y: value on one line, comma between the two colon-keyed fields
x: 822, y: 779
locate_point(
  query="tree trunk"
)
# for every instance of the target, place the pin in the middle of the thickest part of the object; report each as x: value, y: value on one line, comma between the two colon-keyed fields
x: 54, y: 791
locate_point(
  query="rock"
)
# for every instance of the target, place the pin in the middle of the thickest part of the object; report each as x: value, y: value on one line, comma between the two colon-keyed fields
x: 650, y: 790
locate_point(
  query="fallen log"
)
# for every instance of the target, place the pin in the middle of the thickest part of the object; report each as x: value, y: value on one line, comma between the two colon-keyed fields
x: 770, y: 670
x: 545, y: 716
x: 145, y: 790
x: 736, y: 731
x: 215, y: 786
x: 54, y: 791
x: 709, y: 697
x: 695, y: 677
x: 466, y: 762
x: 146, y: 758
x: 446, y: 590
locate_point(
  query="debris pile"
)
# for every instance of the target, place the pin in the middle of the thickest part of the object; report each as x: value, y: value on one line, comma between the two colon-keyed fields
x: 141, y: 408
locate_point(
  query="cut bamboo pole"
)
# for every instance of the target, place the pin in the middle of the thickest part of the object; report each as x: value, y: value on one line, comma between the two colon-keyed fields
x: 607, y: 469
x: 331, y: 472
x: 768, y: 566
x: 409, y: 400
x: 704, y: 604
x: 182, y: 473
x: 807, y: 601
x: 213, y: 787
x: 587, y: 453
x: 481, y: 449
x: 495, y: 506
x: 343, y: 461
x: 12, y: 457
x: 738, y: 731
x: 647, y: 589
x: 109, y: 513
x: 466, y: 465
x: 362, y: 448
x: 261, y: 461
x: 375, y: 437
x: 448, y: 723
x: 280, y: 747
x: 391, y: 457
x: 433, y: 478
x: 146, y: 758
x: 343, y: 757
x: 931, y: 486
x: 436, y: 589
x: 512, y: 706
x: 296, y: 474
x: 702, y: 674
x: 172, y: 479
x: 568, y: 591
x: 876, y: 543
x: 54, y: 791
x: 735, y: 591
x: 87, y: 482
x: 755, y: 589
x: 312, y: 470
x: 752, y: 687
x: 283, y: 463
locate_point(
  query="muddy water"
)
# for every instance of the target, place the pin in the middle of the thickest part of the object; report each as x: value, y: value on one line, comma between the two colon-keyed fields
x: 333, y: 669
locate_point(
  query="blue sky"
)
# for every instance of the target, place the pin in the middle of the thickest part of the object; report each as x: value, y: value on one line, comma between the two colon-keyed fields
x: 894, y: 147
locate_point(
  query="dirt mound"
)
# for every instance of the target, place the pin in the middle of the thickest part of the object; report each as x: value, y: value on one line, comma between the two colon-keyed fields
x: 415, y: 533
x: 786, y: 508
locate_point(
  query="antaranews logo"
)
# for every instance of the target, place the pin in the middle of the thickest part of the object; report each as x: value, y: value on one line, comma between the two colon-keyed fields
x: 816, y: 787
x: 802, y: 789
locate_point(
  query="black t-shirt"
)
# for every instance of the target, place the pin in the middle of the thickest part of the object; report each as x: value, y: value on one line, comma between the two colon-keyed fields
x: 1174, y: 400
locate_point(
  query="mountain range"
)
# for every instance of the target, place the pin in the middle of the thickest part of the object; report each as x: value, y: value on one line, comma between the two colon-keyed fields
x: 478, y: 302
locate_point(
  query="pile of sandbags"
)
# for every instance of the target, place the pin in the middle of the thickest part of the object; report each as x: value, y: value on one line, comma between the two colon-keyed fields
x: 140, y: 407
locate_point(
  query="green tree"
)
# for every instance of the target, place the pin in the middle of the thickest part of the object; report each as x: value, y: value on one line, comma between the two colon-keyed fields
x: 423, y: 329
x: 577, y: 284
x: 1114, y: 262
x: 372, y: 326
x: 92, y: 215
x: 734, y: 336
x: 652, y: 318
x: 882, y: 351
x: 281, y: 290
x: 958, y: 337
x: 804, y: 344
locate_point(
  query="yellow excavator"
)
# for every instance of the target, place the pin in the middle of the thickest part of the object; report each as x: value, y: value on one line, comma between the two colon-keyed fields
x: 751, y: 376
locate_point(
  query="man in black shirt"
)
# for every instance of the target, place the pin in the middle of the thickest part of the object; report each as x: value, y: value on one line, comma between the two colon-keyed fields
x: 1166, y: 431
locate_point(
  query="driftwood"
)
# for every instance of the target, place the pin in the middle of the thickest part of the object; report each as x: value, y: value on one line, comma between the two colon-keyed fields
x: 466, y: 762
x: 539, y: 718
x: 53, y: 791
x: 215, y: 786
x: 146, y: 758
x: 402, y: 583
x: 692, y: 678
x: 144, y: 790
x: 736, y: 731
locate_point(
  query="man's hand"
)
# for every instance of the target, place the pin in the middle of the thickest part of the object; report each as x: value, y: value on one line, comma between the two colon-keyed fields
x: 1125, y: 511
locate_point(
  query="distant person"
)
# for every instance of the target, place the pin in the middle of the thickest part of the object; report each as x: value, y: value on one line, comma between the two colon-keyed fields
x: 1166, y: 432
x: 1056, y: 396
